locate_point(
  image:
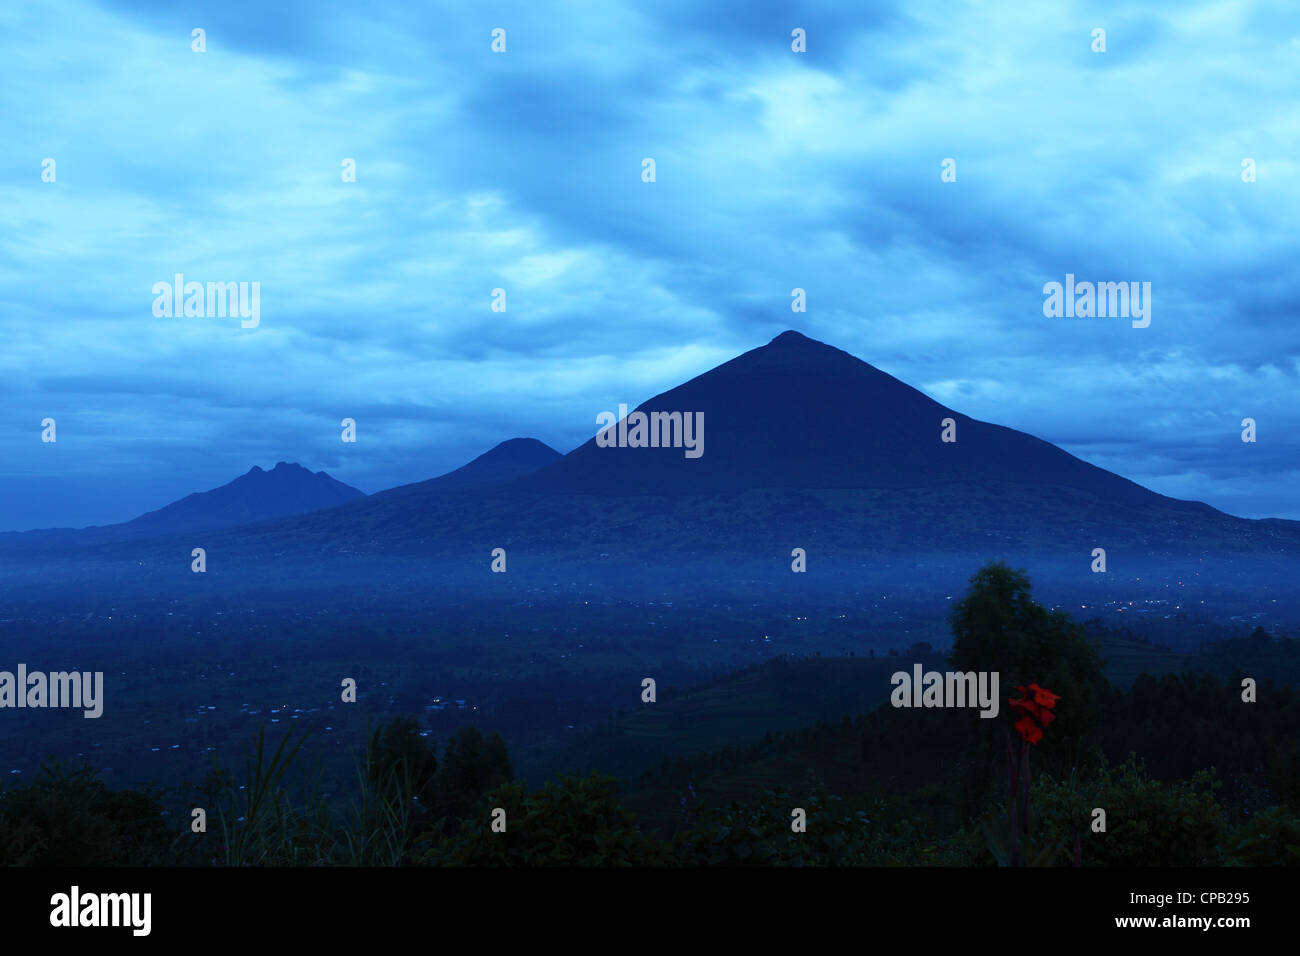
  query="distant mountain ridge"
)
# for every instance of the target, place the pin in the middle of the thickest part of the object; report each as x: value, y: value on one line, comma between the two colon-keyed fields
x: 257, y: 495
x: 288, y: 490
x: 804, y: 445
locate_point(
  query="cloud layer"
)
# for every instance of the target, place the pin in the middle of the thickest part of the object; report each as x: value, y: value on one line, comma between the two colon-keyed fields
x: 522, y: 170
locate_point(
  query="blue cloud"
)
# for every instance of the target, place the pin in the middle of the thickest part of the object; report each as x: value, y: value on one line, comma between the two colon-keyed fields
x: 523, y: 171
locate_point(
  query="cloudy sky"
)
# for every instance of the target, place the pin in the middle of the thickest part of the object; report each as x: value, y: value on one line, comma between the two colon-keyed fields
x: 522, y: 170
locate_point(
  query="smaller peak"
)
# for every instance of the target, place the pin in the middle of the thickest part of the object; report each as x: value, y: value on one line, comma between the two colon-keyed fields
x: 255, y: 470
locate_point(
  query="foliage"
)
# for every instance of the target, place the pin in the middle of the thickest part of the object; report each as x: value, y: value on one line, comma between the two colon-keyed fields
x: 836, y: 834
x: 257, y: 824
x: 397, y: 752
x: 1268, y: 838
x: 997, y: 626
x: 570, y: 822
x: 1148, y: 822
x: 471, y: 766
x: 68, y: 817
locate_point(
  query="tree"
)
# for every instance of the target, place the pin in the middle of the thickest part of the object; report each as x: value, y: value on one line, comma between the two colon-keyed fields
x: 399, y: 760
x: 67, y: 817
x: 471, y: 766
x: 999, y: 627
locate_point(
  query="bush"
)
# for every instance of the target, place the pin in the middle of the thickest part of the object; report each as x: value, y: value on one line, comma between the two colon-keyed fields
x: 1148, y: 823
x: 572, y: 822
x: 68, y: 817
x: 1269, y: 838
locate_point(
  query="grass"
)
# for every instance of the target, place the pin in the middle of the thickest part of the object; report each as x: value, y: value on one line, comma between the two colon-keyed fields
x: 260, y: 825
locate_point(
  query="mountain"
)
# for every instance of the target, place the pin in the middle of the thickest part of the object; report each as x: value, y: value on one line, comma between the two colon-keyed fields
x: 284, y: 491
x: 797, y: 413
x: 287, y: 489
x: 505, y: 462
x: 803, y: 445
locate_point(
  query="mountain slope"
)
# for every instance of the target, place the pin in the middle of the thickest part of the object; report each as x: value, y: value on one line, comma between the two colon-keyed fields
x: 287, y: 489
x: 797, y: 413
x: 505, y: 462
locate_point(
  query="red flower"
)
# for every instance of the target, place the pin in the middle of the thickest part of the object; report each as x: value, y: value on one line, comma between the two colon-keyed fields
x: 1027, y: 707
x: 1029, y: 730
x: 1035, y: 710
x: 1042, y: 697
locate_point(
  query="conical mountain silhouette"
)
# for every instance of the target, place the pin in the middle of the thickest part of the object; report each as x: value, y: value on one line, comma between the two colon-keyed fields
x: 797, y: 413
